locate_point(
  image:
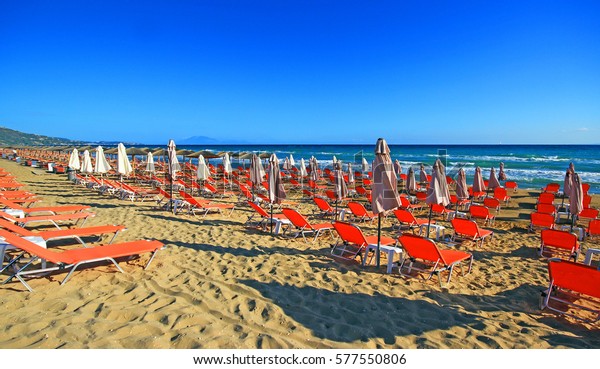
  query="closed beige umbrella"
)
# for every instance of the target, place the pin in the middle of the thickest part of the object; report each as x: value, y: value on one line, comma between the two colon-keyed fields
x: 256, y: 172
x: 437, y: 193
x: 411, y: 182
x: 575, y: 198
x: 462, y: 190
x: 478, y: 185
x: 384, y: 194
x: 422, y: 174
x: 340, y: 188
x: 501, y: 174
x: 493, y: 181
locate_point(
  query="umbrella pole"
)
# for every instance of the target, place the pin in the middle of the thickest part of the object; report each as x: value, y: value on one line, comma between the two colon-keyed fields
x: 271, y: 218
x: 572, y: 221
x: 377, y: 257
x: 429, y: 222
x: 336, y: 211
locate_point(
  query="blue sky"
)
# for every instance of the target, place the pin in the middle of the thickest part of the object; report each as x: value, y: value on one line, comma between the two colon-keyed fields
x: 303, y: 71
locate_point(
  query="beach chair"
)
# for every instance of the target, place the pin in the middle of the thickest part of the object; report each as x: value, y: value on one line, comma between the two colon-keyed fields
x: 593, y: 230
x: 551, y: 188
x: 441, y: 210
x: 546, y: 198
x: 501, y: 195
x: 587, y: 200
x: 587, y: 215
x: 492, y: 203
x: 406, y: 218
x: 279, y: 220
x: 481, y: 212
x: 360, y: 213
x: 562, y: 243
x: 353, y: 242
x: 406, y: 205
x: 511, y: 185
x: 424, y: 256
x: 469, y: 230
x: 542, y: 221
x: 53, y: 219
x: 326, y: 210
x: 195, y: 204
x: 60, y: 234
x: 574, y: 290
x: 52, y: 210
x: 70, y: 260
x: 462, y: 203
x: 303, y: 227
x: 546, y: 209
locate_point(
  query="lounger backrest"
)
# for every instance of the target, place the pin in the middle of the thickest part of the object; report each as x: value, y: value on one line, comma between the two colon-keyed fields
x: 542, y: 219
x: 589, y: 213
x: 258, y: 209
x: 421, y: 195
x: 405, y: 216
x: 491, y: 202
x: 575, y: 277
x: 500, y: 193
x: 421, y: 248
x: 31, y: 247
x: 10, y: 204
x: 296, y: 218
x: 210, y: 187
x: 552, y: 187
x: 8, y: 216
x: 163, y: 192
x: 322, y: 204
x: 10, y: 226
x: 546, y: 198
x: 465, y: 227
x: 546, y: 209
x: 594, y: 228
x: 404, y: 202
x: 479, y: 211
x: 561, y: 239
x: 357, y: 208
x: 510, y: 184
x: 350, y: 233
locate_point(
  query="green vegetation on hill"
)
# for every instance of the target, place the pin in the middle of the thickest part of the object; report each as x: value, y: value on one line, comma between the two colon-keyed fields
x: 10, y: 137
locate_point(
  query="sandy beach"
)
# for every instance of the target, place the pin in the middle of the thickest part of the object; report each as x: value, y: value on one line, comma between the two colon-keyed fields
x: 218, y: 284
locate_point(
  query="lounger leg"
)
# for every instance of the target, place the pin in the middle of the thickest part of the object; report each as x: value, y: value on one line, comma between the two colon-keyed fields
x: 151, y: 258
x: 10, y: 263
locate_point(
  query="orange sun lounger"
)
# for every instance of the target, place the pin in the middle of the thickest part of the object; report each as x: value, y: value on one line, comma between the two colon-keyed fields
x: 555, y: 242
x: 468, y: 229
x: 353, y: 241
x: 57, y: 234
x: 72, y: 259
x: 53, y: 210
x: 430, y: 258
x: 303, y: 226
x: 54, y: 219
x: 572, y: 285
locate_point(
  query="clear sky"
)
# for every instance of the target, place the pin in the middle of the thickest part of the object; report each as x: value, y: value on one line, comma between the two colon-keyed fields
x: 303, y: 71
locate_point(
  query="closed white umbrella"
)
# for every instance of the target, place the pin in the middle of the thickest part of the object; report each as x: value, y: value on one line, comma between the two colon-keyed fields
x: 292, y: 161
x: 74, y: 160
x: 226, y: 164
x: 150, y: 163
x: 202, y: 173
x: 86, y: 166
x: 365, y: 166
x: 350, y: 174
x: 172, y: 168
x: 303, y: 172
x: 123, y: 165
x: 101, y: 165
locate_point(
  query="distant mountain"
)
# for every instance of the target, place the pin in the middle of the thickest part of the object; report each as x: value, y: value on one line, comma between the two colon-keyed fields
x: 198, y: 140
x: 10, y: 137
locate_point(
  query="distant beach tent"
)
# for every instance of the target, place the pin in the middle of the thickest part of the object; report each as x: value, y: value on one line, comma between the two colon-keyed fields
x: 74, y: 160
x: 493, y: 181
x: 150, y: 163
x: 101, y: 165
x: 86, y: 166
x: 384, y: 188
x: 501, y: 174
x: 123, y: 165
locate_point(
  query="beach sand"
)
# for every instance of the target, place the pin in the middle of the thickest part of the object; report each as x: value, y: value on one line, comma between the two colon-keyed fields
x: 221, y: 285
